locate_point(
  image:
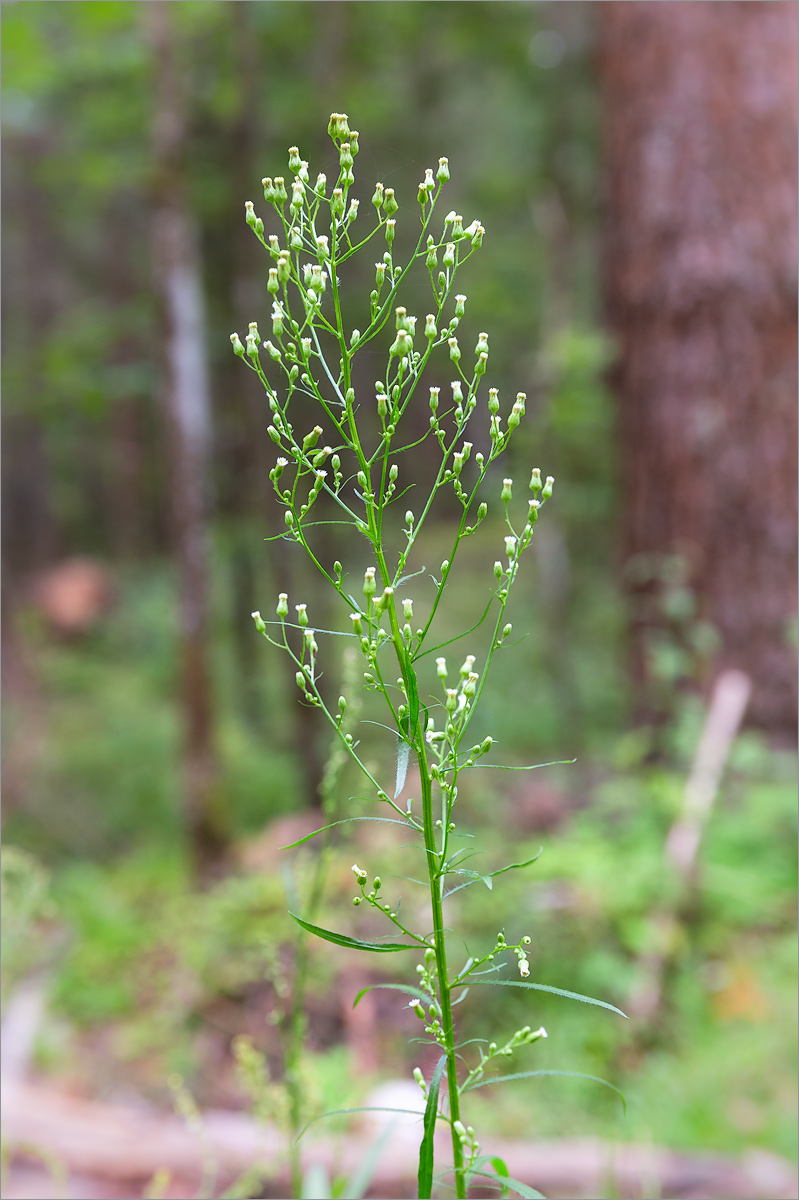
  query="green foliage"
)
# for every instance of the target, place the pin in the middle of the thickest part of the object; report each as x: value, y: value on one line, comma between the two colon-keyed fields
x: 26, y: 909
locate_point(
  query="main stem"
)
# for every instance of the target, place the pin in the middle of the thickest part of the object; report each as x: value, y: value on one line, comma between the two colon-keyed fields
x: 433, y: 869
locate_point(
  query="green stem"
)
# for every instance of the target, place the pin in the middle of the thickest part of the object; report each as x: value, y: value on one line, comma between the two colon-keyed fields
x: 447, y: 1023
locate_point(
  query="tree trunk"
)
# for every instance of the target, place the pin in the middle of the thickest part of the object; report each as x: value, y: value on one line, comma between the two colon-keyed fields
x: 701, y: 128
x: 188, y: 414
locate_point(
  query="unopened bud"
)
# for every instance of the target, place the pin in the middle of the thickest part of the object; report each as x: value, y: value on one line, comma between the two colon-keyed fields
x: 507, y: 492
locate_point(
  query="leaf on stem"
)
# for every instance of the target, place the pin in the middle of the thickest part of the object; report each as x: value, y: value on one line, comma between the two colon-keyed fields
x: 544, y: 987
x: 426, y: 1149
x: 507, y: 1181
x: 350, y: 943
x: 395, y: 987
x: 345, y: 821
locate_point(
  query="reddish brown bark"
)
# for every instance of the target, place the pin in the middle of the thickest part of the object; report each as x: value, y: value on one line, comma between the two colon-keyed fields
x: 701, y: 128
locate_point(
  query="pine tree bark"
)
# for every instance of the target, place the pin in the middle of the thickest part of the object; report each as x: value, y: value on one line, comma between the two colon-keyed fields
x: 187, y: 403
x: 700, y: 108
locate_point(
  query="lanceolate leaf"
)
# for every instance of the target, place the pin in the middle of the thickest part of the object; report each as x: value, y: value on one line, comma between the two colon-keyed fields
x: 543, y: 987
x: 341, y: 939
x: 426, y: 1148
x: 345, y: 821
x: 396, y: 987
x: 507, y: 1181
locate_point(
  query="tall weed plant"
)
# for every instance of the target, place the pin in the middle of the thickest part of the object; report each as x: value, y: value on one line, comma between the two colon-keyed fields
x: 355, y: 466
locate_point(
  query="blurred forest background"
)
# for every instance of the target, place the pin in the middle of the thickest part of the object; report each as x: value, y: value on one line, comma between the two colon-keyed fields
x: 634, y: 166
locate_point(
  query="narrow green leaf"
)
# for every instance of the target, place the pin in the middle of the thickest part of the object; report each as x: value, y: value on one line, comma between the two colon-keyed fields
x: 341, y: 939
x: 543, y: 987
x: 426, y: 1149
x: 395, y: 987
x: 534, y: 1074
x: 518, y: 866
x: 521, y: 1189
x: 403, y: 755
x: 345, y: 821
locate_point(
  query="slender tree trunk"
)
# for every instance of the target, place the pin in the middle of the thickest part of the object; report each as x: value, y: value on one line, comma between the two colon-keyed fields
x: 188, y: 413
x: 701, y: 127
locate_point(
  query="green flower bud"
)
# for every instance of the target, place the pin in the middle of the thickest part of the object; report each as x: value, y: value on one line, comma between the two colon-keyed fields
x: 434, y: 391
x: 282, y: 609
x: 482, y: 511
x: 369, y: 585
x: 549, y: 483
x: 449, y: 255
x: 377, y: 199
x: 249, y: 214
x: 390, y: 231
x: 236, y: 343
x: 506, y: 490
x: 477, y: 237
x: 380, y: 273
x: 402, y: 345
x: 493, y: 400
x: 321, y: 184
x: 482, y: 344
x: 273, y: 433
x: 269, y: 189
x: 300, y: 678
x: 274, y: 245
x: 354, y: 141
x: 345, y: 155
x: 481, y: 364
x: 289, y: 518
x: 284, y: 267
x: 389, y: 202
x: 431, y: 260
x: 260, y: 624
x: 442, y: 174
x: 302, y: 615
x: 498, y: 570
x: 294, y: 159
x: 457, y: 228
x: 272, y: 283
x: 460, y: 301
x: 337, y: 203
x: 430, y: 330
x: 338, y: 128
x: 281, y: 195
x: 454, y: 349
x: 486, y: 744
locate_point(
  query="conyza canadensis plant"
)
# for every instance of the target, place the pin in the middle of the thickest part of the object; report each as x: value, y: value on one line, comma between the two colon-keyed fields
x: 357, y: 465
